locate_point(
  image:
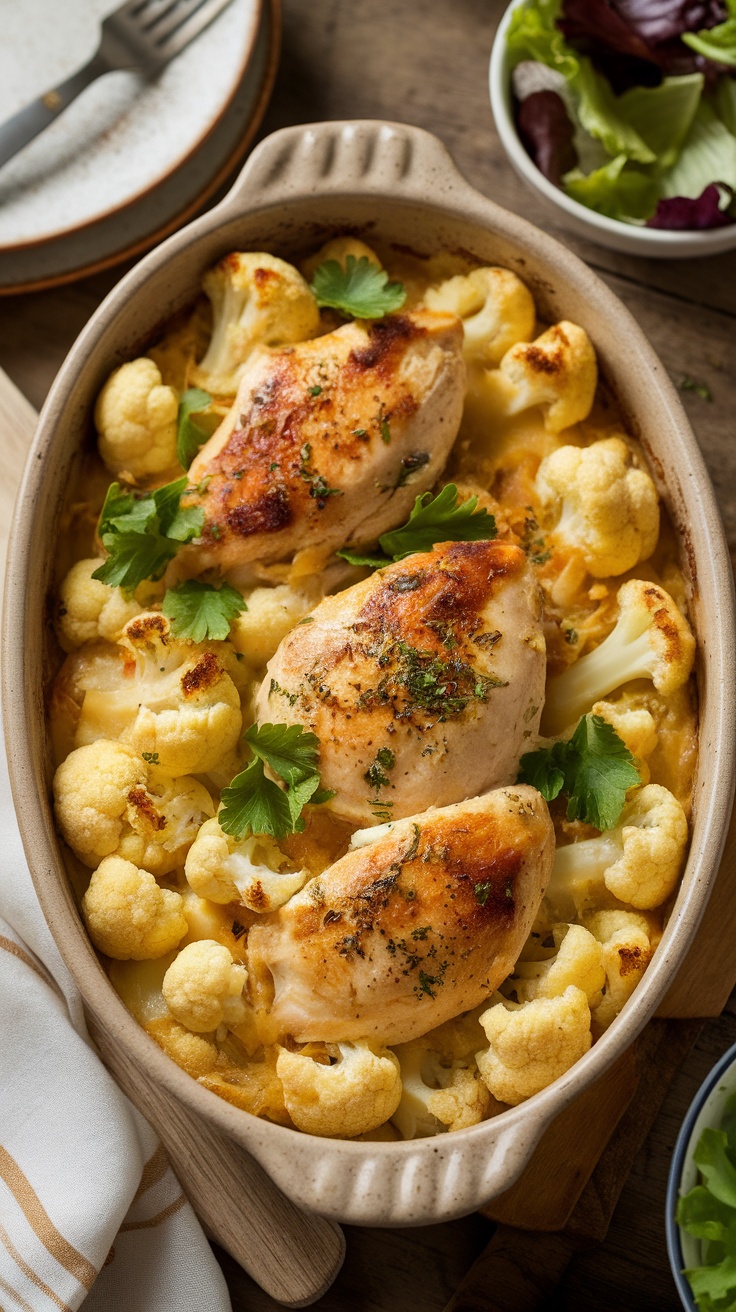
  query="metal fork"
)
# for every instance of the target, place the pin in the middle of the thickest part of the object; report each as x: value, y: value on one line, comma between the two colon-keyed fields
x: 142, y: 34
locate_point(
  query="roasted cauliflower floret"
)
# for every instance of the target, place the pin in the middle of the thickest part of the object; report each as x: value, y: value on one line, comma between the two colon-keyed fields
x: 533, y: 1045
x: 556, y: 371
x: 626, y: 945
x: 252, y: 870
x: 496, y: 308
x: 635, y: 726
x: 135, y: 417
x: 170, y: 700
x: 437, y: 1093
x: 203, y: 987
x: 109, y: 800
x: 257, y: 300
x: 607, y: 508
x: 271, y: 613
x: 577, y: 961
x: 357, y: 1093
x: 338, y: 249
x: 128, y: 916
x: 651, y: 640
x: 89, y: 610
x: 639, y: 861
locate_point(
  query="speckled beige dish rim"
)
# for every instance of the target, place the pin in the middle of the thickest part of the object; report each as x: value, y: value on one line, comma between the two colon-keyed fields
x: 300, y: 186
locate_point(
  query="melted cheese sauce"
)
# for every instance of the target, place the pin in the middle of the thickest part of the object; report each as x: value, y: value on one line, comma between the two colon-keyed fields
x: 495, y: 458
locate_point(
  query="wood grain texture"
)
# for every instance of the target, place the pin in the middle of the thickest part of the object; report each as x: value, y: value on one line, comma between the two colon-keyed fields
x: 425, y: 61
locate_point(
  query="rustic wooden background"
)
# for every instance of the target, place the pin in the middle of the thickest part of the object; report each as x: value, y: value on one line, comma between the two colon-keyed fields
x: 425, y: 62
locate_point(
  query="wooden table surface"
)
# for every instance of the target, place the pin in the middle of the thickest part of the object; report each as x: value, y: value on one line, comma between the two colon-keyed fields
x: 425, y: 62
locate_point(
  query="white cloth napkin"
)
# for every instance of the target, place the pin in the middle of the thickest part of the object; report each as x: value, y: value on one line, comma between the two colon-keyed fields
x: 90, y: 1211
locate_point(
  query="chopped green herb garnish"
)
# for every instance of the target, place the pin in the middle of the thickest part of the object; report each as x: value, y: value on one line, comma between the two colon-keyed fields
x: 385, y: 432
x: 150, y: 757
x: 315, y: 391
x: 193, y: 429
x: 421, y: 681
x: 360, y: 290
x: 688, y: 384
x: 433, y: 519
x: 482, y: 892
x: 318, y: 486
x: 375, y: 774
x: 199, y: 611
x: 141, y: 534
x: 254, y: 803
x: 594, y: 769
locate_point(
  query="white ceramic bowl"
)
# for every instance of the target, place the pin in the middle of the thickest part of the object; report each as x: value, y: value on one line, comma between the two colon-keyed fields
x: 706, y: 1110
x: 655, y: 243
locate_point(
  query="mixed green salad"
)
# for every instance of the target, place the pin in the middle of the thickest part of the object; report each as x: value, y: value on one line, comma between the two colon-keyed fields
x: 630, y: 105
x: 708, y: 1213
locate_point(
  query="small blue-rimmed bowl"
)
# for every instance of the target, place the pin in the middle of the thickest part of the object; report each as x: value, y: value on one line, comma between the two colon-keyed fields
x: 706, y: 1110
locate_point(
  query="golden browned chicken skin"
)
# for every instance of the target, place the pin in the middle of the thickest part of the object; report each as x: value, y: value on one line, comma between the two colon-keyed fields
x: 407, y: 932
x: 423, y: 684
x: 330, y: 441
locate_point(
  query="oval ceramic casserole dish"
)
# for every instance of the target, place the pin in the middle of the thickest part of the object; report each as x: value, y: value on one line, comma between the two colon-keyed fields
x: 300, y: 187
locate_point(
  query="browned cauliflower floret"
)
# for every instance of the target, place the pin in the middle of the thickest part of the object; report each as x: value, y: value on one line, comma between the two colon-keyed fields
x: 578, y: 960
x: 638, y: 862
x: 556, y: 371
x: 338, y: 249
x: 651, y: 640
x: 172, y: 700
x: 635, y: 726
x: 257, y: 300
x: 533, y: 1045
x: 89, y: 609
x: 271, y: 614
x: 253, y: 870
x: 607, y: 508
x: 128, y: 916
x: 109, y: 800
x: 496, y: 308
x: 438, y: 1093
x: 135, y: 417
x: 203, y: 987
x: 356, y: 1093
x: 626, y: 942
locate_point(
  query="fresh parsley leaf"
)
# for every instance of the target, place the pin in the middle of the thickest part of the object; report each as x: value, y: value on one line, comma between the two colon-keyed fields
x: 359, y: 291
x: 433, y: 519
x: 439, y: 519
x: 191, y: 435
x: 142, y: 534
x: 594, y: 769
x: 254, y: 802
x: 199, y: 610
x: 357, y: 558
x: 289, y: 749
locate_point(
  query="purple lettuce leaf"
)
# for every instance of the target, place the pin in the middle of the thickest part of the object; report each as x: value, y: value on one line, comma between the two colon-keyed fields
x: 684, y: 213
x: 636, y: 42
x: 547, y: 134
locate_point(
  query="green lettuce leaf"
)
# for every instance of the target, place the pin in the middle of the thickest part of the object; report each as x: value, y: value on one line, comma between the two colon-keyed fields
x: 619, y: 191
x: 708, y: 155
x: 715, y: 43
x: 598, y: 112
x: 725, y: 102
x: 718, y: 1171
x: 663, y: 115
x: 532, y: 34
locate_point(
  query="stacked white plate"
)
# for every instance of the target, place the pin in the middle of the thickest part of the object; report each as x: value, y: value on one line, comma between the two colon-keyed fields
x: 132, y: 158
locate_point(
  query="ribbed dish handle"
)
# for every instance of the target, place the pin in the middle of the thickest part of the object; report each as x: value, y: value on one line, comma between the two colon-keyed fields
x: 362, y: 155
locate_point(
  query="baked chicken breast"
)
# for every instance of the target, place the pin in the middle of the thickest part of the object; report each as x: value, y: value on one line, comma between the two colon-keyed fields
x: 423, y: 683
x: 329, y: 441
x: 407, y: 932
